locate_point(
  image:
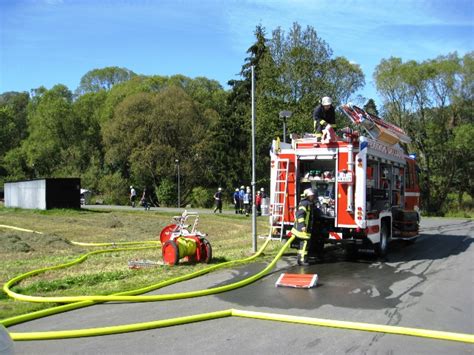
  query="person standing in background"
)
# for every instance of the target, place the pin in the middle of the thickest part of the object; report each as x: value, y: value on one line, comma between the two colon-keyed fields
x: 247, y: 201
x: 258, y: 203
x: 133, y: 196
x: 236, y: 200
x: 218, y: 199
x: 241, y: 199
x: 144, y: 201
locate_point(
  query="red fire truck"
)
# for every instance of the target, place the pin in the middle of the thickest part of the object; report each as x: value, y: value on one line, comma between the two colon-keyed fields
x: 367, y: 187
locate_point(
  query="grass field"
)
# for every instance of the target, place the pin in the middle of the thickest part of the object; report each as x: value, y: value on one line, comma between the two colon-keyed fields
x: 230, y: 237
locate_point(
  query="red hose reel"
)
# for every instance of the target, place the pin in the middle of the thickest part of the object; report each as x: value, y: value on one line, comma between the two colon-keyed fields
x: 179, y: 243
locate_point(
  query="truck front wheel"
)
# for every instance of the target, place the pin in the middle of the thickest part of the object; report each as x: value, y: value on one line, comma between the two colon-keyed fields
x: 382, y: 247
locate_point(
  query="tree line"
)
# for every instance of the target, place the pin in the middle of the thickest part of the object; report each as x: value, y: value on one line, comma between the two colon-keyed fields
x: 433, y: 102
x: 119, y: 128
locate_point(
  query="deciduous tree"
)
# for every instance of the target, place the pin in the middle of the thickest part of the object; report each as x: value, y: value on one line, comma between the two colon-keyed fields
x: 430, y: 101
x: 149, y: 131
x: 103, y: 79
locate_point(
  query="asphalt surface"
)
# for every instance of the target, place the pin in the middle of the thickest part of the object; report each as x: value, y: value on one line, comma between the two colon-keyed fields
x: 428, y: 284
x: 156, y: 209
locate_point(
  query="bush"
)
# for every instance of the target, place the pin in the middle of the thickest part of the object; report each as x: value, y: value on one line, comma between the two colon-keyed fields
x: 114, y: 189
x: 201, y: 197
x: 91, y: 178
x: 166, y: 193
x: 459, y: 206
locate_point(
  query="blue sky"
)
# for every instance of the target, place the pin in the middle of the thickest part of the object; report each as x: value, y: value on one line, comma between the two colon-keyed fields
x: 46, y: 42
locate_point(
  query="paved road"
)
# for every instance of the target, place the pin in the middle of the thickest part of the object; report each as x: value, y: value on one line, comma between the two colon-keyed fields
x: 158, y: 209
x: 428, y: 284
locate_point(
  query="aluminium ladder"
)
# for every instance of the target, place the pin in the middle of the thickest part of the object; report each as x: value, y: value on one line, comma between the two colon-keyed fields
x: 280, y: 194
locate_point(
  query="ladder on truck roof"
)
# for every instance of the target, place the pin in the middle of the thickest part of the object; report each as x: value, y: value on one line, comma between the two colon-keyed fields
x: 376, y: 127
x: 279, y: 197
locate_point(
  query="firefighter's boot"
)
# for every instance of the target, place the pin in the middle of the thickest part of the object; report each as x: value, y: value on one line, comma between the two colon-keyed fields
x: 303, y: 253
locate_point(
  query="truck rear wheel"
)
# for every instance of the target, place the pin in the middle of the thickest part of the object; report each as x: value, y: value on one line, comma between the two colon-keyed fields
x: 382, y: 247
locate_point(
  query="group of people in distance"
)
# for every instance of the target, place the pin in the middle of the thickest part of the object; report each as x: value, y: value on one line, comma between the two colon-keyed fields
x: 242, y: 199
x: 143, y: 201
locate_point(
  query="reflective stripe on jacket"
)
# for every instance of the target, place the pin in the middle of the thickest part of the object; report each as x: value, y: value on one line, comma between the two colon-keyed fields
x: 302, y: 219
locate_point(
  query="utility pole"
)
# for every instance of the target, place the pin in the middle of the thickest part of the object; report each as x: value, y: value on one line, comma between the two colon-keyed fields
x: 179, y: 183
x: 254, y: 211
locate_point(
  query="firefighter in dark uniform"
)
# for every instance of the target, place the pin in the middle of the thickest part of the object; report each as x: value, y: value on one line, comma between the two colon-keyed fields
x: 303, y: 223
x: 322, y: 115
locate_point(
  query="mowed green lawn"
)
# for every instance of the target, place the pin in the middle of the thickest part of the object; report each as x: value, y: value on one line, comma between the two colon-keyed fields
x: 229, y: 235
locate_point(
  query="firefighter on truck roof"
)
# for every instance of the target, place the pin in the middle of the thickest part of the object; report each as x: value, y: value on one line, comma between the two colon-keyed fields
x: 303, y: 223
x: 322, y: 115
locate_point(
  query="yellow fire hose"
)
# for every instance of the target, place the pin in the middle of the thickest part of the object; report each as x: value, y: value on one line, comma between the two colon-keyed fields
x: 63, y: 308
x: 133, y: 297
x: 19, y: 229
x: 83, y: 301
x: 155, y: 242
x: 389, y: 329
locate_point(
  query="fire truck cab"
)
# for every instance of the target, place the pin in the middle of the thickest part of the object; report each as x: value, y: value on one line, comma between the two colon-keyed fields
x: 367, y: 187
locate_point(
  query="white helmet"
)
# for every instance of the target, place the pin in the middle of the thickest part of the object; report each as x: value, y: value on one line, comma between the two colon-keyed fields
x: 262, y: 189
x: 308, y: 192
x: 219, y: 189
x: 131, y: 187
x: 326, y: 100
